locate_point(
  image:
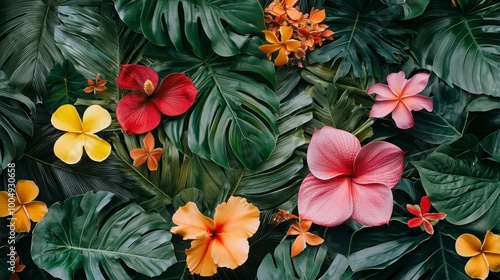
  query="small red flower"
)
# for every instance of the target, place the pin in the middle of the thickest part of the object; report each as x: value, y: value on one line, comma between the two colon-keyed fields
x: 141, y: 110
x: 425, y: 219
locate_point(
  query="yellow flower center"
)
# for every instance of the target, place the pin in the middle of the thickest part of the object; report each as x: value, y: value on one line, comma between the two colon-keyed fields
x: 148, y: 87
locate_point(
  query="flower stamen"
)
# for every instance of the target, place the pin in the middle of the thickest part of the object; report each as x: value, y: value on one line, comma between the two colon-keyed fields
x: 149, y: 88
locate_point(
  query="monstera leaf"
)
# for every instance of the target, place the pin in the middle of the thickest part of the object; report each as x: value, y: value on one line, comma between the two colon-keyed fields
x: 16, y: 111
x: 365, y: 37
x: 98, y: 234
x: 107, y: 42
x: 226, y: 23
x: 411, y: 8
x: 460, y: 44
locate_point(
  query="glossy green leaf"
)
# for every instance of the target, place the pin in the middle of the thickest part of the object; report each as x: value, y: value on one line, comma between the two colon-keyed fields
x: 465, y: 191
x: 16, y: 124
x: 491, y: 144
x: 226, y: 23
x: 411, y: 8
x: 102, y: 236
x: 64, y: 86
x: 365, y: 37
x: 461, y: 44
x: 483, y: 104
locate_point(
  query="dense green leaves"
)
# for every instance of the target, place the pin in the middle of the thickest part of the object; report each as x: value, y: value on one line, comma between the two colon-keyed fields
x: 461, y: 44
x: 491, y: 144
x: 365, y: 37
x: 16, y: 113
x: 96, y: 233
x: 226, y: 23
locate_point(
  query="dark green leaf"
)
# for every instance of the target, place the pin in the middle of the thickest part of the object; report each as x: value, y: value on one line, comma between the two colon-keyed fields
x: 6, y: 264
x: 411, y: 8
x: 226, y: 23
x: 101, y: 235
x: 491, y: 144
x: 64, y: 86
x: 365, y: 37
x: 461, y: 46
x: 465, y: 191
x: 483, y: 104
x: 16, y: 112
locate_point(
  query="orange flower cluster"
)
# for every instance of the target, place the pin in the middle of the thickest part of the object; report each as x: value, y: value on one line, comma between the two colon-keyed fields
x: 292, y: 32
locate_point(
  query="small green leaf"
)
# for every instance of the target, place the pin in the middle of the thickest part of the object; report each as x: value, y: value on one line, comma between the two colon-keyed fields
x: 98, y: 234
x: 491, y: 144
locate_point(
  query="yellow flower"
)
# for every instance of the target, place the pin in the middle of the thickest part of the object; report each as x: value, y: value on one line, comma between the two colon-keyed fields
x: 484, y: 257
x: 285, y: 46
x: 25, y: 209
x: 221, y: 242
x: 80, y: 134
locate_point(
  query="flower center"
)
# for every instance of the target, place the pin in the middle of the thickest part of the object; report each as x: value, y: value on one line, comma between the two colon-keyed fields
x: 148, y: 87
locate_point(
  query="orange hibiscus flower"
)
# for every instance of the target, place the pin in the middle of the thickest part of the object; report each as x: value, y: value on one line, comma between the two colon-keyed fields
x: 218, y: 242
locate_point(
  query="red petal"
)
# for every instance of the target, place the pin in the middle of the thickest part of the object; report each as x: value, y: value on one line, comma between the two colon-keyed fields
x: 325, y: 202
x: 435, y: 216
x: 175, y: 95
x: 414, y: 209
x: 428, y: 227
x: 425, y: 204
x: 379, y: 162
x: 372, y: 204
x: 136, y: 115
x: 332, y: 152
x: 415, y: 222
x: 133, y: 76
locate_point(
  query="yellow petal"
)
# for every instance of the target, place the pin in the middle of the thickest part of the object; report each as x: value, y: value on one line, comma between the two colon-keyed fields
x: 493, y: 261
x: 271, y: 37
x: 286, y: 33
x: 229, y: 250
x: 26, y: 191
x: 292, y: 45
x: 268, y: 49
x: 23, y: 223
x: 237, y: 217
x: 317, y: 16
x: 468, y: 245
x: 282, y: 58
x: 69, y: 147
x: 491, y: 243
x: 477, y: 267
x: 4, y: 204
x: 190, y: 222
x: 95, y: 119
x: 96, y: 148
x: 298, y: 246
x: 66, y: 118
x: 199, y: 259
x: 36, y: 210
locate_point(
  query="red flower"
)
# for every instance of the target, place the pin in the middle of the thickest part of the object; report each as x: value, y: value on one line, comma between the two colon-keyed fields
x: 141, y: 110
x: 424, y: 218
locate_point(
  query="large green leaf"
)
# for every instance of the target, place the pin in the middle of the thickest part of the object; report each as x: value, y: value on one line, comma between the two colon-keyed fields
x: 226, y: 23
x: 107, y: 43
x: 233, y: 117
x: 466, y: 191
x: 411, y: 8
x: 491, y: 144
x: 461, y: 44
x: 365, y: 37
x: 101, y: 235
x: 16, y: 113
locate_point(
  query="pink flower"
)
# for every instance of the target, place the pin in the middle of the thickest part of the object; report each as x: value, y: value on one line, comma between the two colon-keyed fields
x: 141, y: 110
x: 400, y: 97
x: 349, y: 181
x: 424, y: 218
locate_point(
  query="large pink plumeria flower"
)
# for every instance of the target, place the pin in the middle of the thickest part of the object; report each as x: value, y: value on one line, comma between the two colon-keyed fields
x: 349, y: 181
x: 400, y: 97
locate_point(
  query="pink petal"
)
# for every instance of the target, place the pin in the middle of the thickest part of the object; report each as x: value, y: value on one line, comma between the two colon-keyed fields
x: 332, y: 152
x: 379, y: 162
x: 418, y: 102
x: 325, y: 202
x: 425, y: 204
x: 397, y: 82
x: 415, y: 84
x: 383, y: 92
x: 136, y: 115
x: 383, y: 108
x: 415, y: 222
x: 428, y: 227
x: 133, y: 76
x: 402, y: 116
x: 435, y: 216
x: 175, y: 95
x: 372, y: 204
x: 414, y: 209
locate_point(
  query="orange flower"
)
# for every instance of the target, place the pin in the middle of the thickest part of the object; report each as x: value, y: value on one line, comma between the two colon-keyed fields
x: 18, y: 267
x: 25, y: 209
x: 95, y: 86
x: 287, y: 8
x: 484, y: 256
x: 301, y: 228
x: 285, y: 46
x: 149, y: 153
x: 221, y: 242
